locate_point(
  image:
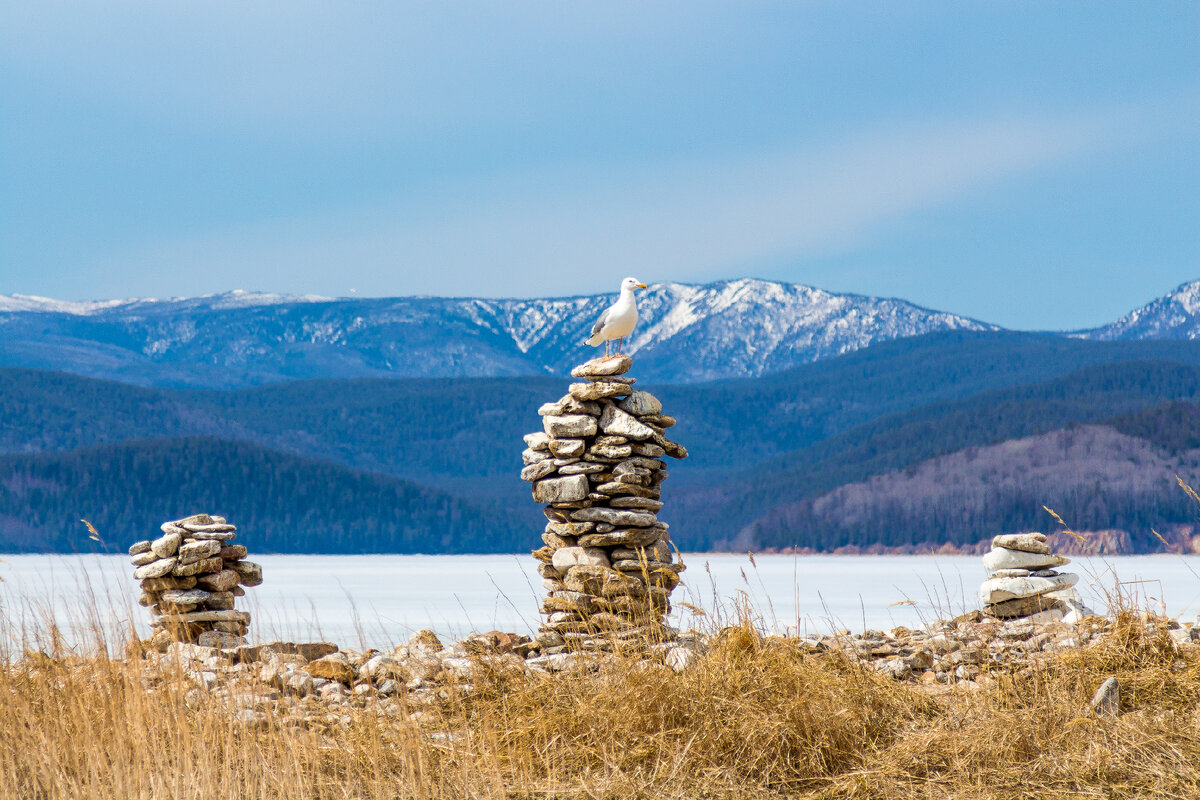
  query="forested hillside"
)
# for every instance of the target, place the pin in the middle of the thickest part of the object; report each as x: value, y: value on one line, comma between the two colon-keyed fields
x: 756, y: 444
x: 281, y: 503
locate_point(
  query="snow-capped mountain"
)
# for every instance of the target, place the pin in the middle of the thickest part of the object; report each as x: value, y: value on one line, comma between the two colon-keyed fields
x: 1175, y: 315
x: 686, y: 334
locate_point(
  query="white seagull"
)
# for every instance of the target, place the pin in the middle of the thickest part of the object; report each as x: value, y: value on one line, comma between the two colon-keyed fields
x: 618, y: 320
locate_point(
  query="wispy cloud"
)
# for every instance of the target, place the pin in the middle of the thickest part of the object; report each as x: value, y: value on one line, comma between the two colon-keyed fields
x: 568, y: 230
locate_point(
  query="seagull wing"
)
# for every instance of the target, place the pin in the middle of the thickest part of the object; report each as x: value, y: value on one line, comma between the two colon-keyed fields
x: 600, y: 322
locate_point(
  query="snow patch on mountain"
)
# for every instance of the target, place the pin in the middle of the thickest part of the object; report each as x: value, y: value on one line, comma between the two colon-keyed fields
x: 1175, y: 315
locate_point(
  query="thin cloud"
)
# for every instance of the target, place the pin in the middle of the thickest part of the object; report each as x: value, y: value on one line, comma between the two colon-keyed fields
x: 532, y: 234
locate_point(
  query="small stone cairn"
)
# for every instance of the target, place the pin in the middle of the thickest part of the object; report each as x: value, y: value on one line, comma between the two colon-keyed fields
x: 1023, y: 582
x: 607, y: 562
x: 190, y: 576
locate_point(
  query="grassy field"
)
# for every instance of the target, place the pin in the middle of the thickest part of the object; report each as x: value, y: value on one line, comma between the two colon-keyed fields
x: 754, y: 717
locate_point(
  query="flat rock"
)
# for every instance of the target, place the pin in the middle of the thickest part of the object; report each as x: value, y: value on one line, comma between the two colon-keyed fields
x: 624, y: 537
x: 222, y: 581
x: 186, y: 596
x: 1003, y: 558
x: 561, y: 490
x: 167, y: 582
x: 569, y: 528
x: 567, y: 448
x: 535, y: 472
x: 567, y: 557
x: 599, y: 390
x: 201, y: 616
x: 1025, y: 542
x: 614, y: 488
x: 616, y: 422
x: 166, y: 545
x: 535, y: 456
x: 141, y: 559
x: 603, y: 367
x: 218, y: 535
x: 642, y: 503
x: 537, y: 441
x: 139, y: 547
x: 569, y: 426
x: 673, y: 449
x: 155, y: 569
x: 214, y: 564
x: 649, y: 450
x: 996, y: 590
x: 581, y: 468
x: 641, y: 404
x: 191, y: 552
x: 619, y: 517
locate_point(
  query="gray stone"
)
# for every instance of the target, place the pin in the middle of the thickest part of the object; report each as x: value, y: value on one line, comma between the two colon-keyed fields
x: 534, y: 456
x: 567, y: 448
x: 167, y: 582
x: 185, y: 596
x: 673, y: 449
x: 139, y: 547
x: 996, y: 590
x: 649, y: 450
x: 1010, y: 573
x: 567, y: 557
x: 581, y: 468
x: 217, y: 535
x: 142, y: 559
x: 1107, y: 700
x: 641, y: 404
x: 155, y: 569
x: 561, y: 490
x: 616, y: 422
x: 171, y: 527
x: 535, y: 472
x: 643, y: 503
x: 680, y: 658
x: 1027, y: 542
x: 537, y: 441
x: 191, y: 552
x: 599, y: 390
x: 1003, y: 558
x: 610, y: 451
x: 603, y: 367
x: 166, y: 545
x: 548, y: 409
x: 219, y: 601
x: 569, y: 528
x: 618, y: 517
x: 203, y: 523
x: 569, y: 426
x: 626, y: 537
x: 614, y: 488
x: 201, y: 616
x: 661, y: 420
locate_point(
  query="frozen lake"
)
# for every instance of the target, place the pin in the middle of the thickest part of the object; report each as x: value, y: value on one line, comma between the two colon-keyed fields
x: 380, y: 600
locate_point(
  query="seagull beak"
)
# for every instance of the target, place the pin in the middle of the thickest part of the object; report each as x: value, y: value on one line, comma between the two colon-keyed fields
x: 641, y: 286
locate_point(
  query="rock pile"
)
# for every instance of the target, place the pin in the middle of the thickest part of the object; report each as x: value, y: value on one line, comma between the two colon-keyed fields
x: 190, y: 576
x: 607, y: 562
x: 1023, y: 582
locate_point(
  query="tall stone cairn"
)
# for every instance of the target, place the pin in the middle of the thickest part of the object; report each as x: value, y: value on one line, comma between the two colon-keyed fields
x: 597, y: 466
x: 190, y: 576
x: 1023, y: 581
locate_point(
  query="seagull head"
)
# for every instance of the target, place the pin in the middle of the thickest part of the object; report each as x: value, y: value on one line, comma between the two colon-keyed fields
x: 629, y: 284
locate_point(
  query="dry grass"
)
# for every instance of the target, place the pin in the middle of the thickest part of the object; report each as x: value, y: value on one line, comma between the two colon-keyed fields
x: 754, y: 718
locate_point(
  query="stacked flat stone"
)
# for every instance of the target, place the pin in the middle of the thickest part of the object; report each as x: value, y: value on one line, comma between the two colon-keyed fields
x: 190, y: 576
x: 607, y: 562
x: 1023, y: 582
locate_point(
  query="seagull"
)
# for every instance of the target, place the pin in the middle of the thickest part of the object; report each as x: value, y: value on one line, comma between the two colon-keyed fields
x: 618, y: 319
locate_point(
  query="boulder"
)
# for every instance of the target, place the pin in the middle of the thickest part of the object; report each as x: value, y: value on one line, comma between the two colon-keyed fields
x: 641, y: 404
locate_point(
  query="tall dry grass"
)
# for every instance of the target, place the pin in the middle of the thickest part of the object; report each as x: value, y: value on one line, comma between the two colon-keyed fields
x: 755, y: 717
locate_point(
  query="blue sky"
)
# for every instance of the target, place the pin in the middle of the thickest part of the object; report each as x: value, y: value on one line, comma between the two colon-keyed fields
x: 1031, y: 164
